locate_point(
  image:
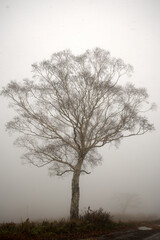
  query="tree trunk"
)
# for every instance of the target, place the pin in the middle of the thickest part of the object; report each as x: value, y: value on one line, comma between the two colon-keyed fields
x: 74, y: 210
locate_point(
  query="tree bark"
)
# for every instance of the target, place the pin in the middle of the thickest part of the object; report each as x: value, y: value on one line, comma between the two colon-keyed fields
x: 74, y: 210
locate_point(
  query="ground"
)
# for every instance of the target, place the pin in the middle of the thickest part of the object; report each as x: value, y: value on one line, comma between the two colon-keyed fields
x: 151, y: 232
x: 92, y: 226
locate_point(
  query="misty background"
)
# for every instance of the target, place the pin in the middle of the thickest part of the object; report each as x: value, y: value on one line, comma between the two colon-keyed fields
x: 30, y: 31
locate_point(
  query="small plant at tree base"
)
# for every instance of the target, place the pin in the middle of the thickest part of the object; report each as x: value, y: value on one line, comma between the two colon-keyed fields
x: 97, y: 219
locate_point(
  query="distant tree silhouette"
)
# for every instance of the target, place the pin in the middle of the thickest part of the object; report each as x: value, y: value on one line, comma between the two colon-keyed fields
x: 127, y: 201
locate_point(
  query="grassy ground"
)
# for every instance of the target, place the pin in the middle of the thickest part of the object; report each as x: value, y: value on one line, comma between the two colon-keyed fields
x: 90, y: 224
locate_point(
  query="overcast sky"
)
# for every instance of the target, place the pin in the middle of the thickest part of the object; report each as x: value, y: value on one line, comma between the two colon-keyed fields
x: 30, y: 31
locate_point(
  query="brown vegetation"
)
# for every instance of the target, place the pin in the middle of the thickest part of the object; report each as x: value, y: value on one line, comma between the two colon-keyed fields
x: 91, y: 223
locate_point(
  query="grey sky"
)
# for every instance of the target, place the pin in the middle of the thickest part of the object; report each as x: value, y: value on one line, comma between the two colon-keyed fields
x: 31, y: 31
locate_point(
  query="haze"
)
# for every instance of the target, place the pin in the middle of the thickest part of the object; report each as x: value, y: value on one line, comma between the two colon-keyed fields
x: 30, y: 31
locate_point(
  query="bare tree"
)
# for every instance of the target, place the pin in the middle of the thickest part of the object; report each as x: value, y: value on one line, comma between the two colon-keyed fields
x: 73, y: 106
x: 127, y: 201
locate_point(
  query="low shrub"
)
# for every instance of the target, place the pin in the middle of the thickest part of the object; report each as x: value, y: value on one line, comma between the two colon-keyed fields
x: 97, y: 219
x: 8, y: 227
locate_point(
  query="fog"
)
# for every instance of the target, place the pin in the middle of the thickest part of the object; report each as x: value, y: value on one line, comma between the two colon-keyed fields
x: 30, y: 31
